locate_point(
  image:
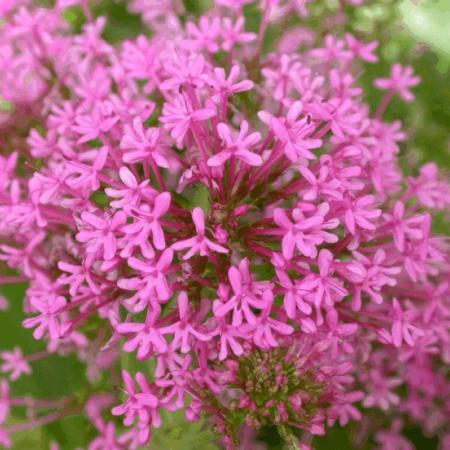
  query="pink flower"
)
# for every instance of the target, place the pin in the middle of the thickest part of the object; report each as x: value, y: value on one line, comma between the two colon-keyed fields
x: 200, y: 243
x: 233, y: 33
x: 237, y: 147
x: 400, y: 81
x: 338, y: 333
x: 344, y: 84
x: 49, y: 308
x: 402, y: 328
x: 149, y: 220
x: 402, y: 227
x: 294, y: 133
x: 22, y: 257
x: 309, y: 268
x: 133, y: 193
x: 281, y: 78
x: 360, y: 49
x: 431, y: 191
x: 100, y: 234
x: 204, y: 35
x: 185, y: 72
x: 15, y: 363
x: 361, y: 212
x: 230, y: 335
x: 107, y: 439
x: 381, y: 391
x: 183, y: 330
x: 321, y: 184
x: 325, y: 289
x: 78, y: 275
x: 4, y: 304
x: 179, y: 117
x: 224, y: 86
x: 91, y: 126
x: 294, y: 295
x: 42, y: 147
x: 306, y: 233
x: 151, y: 283
x: 87, y: 176
x: 267, y: 329
x: 341, y: 114
x: 143, y: 145
x: 369, y: 276
x: 247, y: 296
x: 141, y: 62
x: 334, y: 49
x: 141, y: 405
x: 392, y: 438
x: 145, y: 337
x: 347, y: 411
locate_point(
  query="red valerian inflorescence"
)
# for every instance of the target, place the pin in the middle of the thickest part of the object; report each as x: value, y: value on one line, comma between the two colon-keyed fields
x: 237, y: 217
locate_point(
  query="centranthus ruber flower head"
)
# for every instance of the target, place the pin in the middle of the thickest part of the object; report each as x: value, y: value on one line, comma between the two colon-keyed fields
x: 216, y: 223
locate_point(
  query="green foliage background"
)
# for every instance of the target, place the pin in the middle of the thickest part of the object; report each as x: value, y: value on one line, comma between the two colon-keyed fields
x: 411, y: 32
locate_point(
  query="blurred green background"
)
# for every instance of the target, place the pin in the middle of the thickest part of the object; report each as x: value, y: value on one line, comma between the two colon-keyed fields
x: 416, y: 33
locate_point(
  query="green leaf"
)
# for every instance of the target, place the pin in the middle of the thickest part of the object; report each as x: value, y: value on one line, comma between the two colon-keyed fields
x: 197, y: 7
x: 177, y: 433
x: 201, y: 198
x: 6, y: 106
x: 100, y: 199
x: 53, y: 377
x: 429, y: 21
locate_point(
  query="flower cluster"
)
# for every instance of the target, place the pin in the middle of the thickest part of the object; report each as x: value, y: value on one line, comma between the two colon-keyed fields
x: 236, y: 217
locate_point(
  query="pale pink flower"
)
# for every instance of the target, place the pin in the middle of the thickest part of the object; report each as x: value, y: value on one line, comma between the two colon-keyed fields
x: 247, y: 296
x: 402, y: 328
x: 15, y: 364
x: 400, y: 81
x: 133, y: 193
x: 148, y: 220
x: 234, y: 34
x: 402, y: 227
x: 184, y: 72
x: 305, y: 233
x: 236, y: 146
x: 142, y: 144
x: 48, y: 320
x: 86, y: 176
x: 141, y: 404
x: 151, y: 282
x: 224, y: 86
x: 179, y: 117
x: 267, y: 329
x: 100, y: 233
x: 183, y: 330
x: 145, y: 337
x: 200, y: 243
x: 4, y: 304
x: 91, y: 126
x: 361, y: 49
x: 362, y: 212
x: 205, y: 34
x: 294, y: 133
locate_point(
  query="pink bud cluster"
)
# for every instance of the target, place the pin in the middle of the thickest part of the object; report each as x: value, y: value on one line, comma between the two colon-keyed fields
x: 237, y: 217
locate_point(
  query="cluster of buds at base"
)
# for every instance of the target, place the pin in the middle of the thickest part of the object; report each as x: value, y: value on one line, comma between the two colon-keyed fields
x: 288, y: 387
